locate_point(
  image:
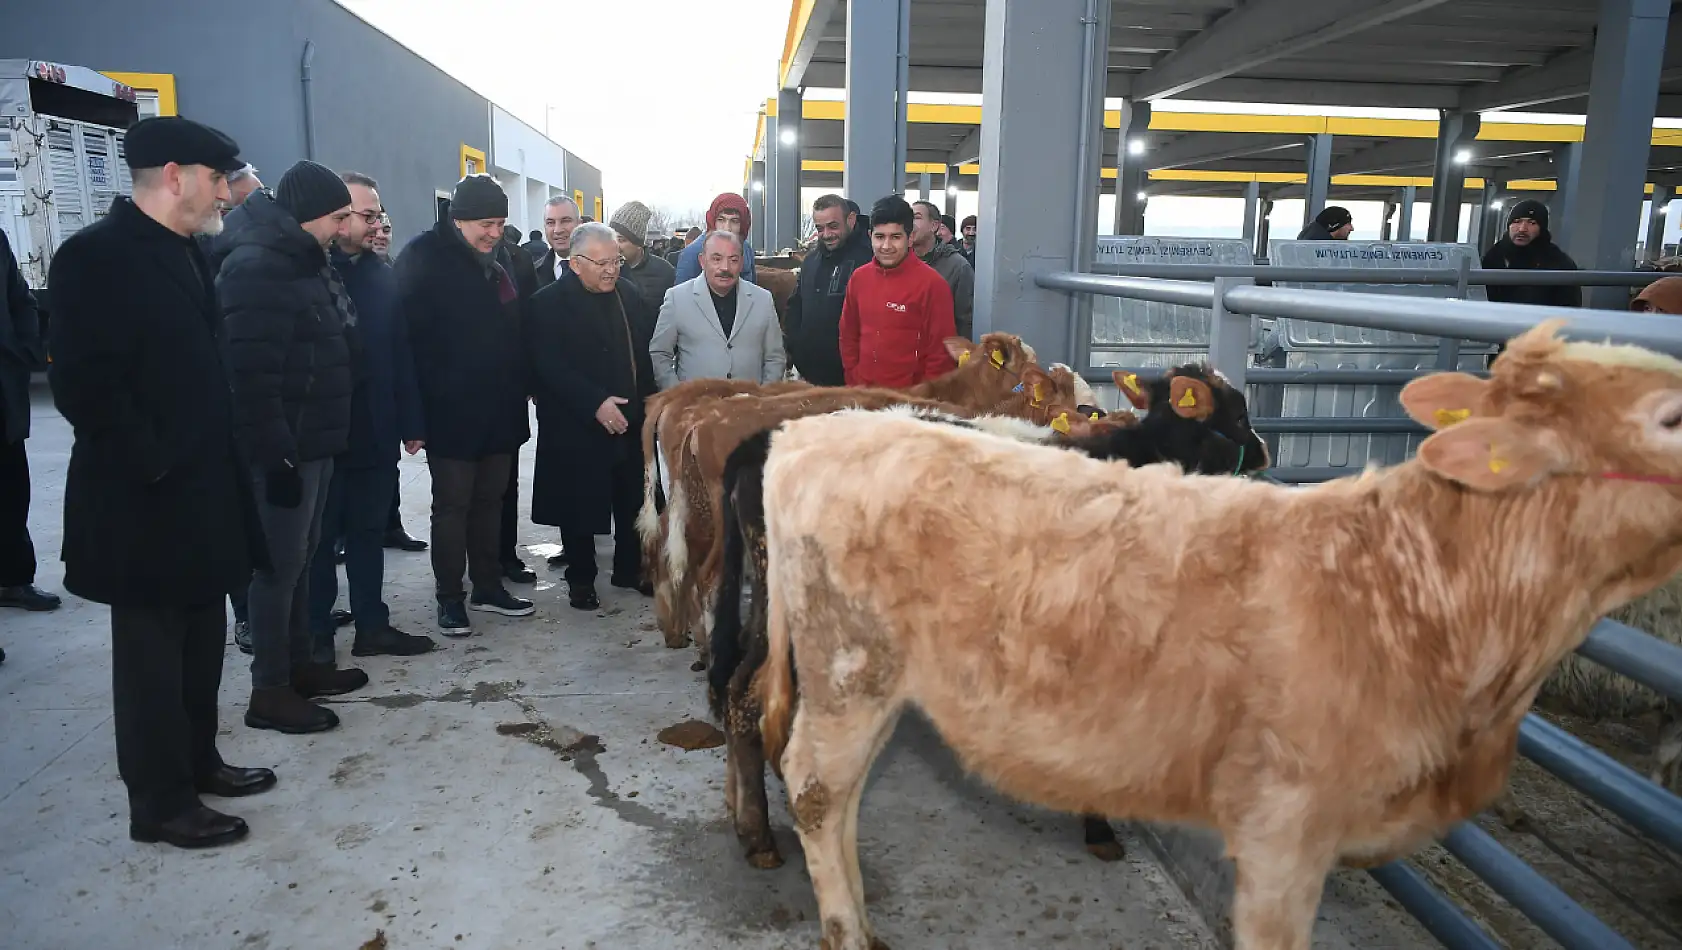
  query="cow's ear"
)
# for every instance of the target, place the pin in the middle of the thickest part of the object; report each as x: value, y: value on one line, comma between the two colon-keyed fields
x: 1037, y: 386
x: 1070, y: 422
x: 1134, y: 389
x: 998, y: 353
x: 1191, y: 398
x: 1443, y: 399
x: 960, y: 348
x: 1489, y: 454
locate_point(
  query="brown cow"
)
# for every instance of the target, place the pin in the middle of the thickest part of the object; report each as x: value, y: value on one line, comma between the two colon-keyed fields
x: 783, y: 284
x: 1323, y: 674
x: 1192, y: 418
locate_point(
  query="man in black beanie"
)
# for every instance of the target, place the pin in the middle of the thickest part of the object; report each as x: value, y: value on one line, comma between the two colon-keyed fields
x: 1529, y: 246
x: 465, y: 325
x: 287, y: 336
x: 1333, y: 223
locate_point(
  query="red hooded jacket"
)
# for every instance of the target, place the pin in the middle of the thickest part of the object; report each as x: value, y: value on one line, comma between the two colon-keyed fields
x: 894, y: 325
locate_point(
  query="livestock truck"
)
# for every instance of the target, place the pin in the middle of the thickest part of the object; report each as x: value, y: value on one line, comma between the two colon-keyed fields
x: 61, y: 159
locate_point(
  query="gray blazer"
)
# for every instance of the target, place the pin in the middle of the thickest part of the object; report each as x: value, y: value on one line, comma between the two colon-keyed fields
x: 690, y: 344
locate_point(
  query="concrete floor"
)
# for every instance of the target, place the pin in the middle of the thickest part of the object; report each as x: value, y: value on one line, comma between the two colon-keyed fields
x: 416, y: 817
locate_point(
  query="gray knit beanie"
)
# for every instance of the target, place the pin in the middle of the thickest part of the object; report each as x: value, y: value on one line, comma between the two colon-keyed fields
x: 631, y: 221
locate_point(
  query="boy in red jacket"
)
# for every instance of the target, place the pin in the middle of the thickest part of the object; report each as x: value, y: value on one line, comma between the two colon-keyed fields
x: 898, y: 311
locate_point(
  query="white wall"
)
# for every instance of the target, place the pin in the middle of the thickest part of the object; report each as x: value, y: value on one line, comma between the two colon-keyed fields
x: 528, y: 164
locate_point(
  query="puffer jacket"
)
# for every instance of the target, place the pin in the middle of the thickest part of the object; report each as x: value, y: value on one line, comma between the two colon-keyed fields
x: 285, y: 338
x: 949, y: 262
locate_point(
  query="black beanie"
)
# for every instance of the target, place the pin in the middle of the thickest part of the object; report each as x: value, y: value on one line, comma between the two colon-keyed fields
x: 1532, y: 209
x: 308, y: 191
x: 476, y: 198
x: 1333, y: 217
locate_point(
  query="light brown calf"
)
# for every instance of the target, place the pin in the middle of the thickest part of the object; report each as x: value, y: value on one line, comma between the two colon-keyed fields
x: 1324, y: 674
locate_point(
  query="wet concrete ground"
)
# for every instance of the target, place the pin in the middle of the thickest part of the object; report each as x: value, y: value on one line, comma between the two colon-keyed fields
x: 419, y: 819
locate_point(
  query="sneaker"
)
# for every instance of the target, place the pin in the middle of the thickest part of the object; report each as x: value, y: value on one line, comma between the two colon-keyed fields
x: 242, y: 636
x: 452, y: 618
x: 518, y: 572
x: 390, y: 642
x: 29, y: 597
x: 500, y: 601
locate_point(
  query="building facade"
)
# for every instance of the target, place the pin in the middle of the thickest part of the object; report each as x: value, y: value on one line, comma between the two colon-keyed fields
x: 291, y: 79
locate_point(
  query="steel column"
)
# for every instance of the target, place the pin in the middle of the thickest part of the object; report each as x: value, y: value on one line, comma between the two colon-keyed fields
x: 1039, y: 206
x: 1455, y: 131
x: 1568, y: 165
x: 1605, y: 208
x: 1384, y: 227
x: 950, y: 181
x: 756, y: 204
x: 1264, y: 229
x: 1252, y: 207
x: 1130, y: 169
x: 769, y: 196
x: 1319, y: 176
x: 787, y: 214
x: 925, y: 184
x: 873, y: 135
x: 1404, y: 225
x: 1662, y: 194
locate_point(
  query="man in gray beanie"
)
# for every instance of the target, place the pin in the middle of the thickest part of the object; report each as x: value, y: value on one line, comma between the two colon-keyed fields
x: 286, y: 335
x: 465, y: 330
x: 649, y: 273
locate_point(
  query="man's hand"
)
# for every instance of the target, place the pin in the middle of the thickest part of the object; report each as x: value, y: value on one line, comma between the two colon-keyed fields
x: 414, y: 445
x: 610, y: 417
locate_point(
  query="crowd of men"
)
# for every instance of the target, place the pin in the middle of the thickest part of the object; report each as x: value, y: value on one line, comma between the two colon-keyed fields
x: 242, y: 367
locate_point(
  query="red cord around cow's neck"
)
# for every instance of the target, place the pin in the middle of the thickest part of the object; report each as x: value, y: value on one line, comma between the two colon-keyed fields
x: 1654, y: 479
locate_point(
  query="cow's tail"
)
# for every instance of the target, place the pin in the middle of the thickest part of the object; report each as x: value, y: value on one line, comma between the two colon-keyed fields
x: 777, y: 698
x: 653, y: 496
x: 741, y: 527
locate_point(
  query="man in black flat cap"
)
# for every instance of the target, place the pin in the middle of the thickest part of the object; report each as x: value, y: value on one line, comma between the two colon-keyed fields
x: 466, y: 318
x: 288, y: 350
x: 1333, y: 223
x: 159, y: 521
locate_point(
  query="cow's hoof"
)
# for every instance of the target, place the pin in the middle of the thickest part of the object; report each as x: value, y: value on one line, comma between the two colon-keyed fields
x: 877, y: 944
x: 698, y: 666
x: 677, y: 641
x: 767, y: 860
x: 1107, y: 850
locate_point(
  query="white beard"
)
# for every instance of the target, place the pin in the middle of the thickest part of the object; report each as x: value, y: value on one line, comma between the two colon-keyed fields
x: 211, y: 225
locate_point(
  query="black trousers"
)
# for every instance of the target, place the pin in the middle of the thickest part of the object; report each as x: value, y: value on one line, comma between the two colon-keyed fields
x: 17, y: 552
x: 394, y: 518
x: 166, y: 669
x: 627, y: 550
x: 507, y: 550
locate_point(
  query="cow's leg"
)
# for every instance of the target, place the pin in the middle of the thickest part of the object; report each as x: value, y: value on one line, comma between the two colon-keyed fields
x: 1281, y: 873
x: 1667, y: 756
x: 744, y: 782
x: 828, y: 758
x: 1101, y: 840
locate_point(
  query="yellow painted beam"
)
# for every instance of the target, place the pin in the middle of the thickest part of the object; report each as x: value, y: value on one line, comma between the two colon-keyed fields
x: 914, y: 168
x: 799, y: 16
x: 161, y: 83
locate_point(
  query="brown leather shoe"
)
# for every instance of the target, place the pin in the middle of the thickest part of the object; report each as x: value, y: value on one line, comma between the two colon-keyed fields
x: 281, y: 708
x: 323, y: 679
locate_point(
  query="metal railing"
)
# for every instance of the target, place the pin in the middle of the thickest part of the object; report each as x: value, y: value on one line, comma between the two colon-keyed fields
x: 1233, y: 296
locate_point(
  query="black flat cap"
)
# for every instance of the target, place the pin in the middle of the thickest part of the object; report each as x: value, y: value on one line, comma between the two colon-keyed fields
x: 155, y: 142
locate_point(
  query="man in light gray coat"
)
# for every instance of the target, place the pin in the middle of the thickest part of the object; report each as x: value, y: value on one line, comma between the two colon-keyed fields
x: 717, y: 326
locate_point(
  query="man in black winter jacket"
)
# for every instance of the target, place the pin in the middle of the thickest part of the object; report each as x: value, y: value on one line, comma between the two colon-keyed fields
x: 465, y: 325
x: 20, y: 340
x: 1529, y: 246
x: 288, y: 354
x: 812, y: 325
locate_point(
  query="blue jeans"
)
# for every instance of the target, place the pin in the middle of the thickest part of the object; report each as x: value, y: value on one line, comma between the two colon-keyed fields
x: 358, y: 503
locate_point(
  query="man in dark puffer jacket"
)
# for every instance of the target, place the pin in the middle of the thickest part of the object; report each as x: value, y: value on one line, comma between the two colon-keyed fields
x: 288, y: 356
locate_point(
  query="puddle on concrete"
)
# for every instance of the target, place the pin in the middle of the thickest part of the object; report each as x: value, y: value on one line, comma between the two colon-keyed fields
x: 482, y: 692
x: 545, y: 550
x: 543, y: 585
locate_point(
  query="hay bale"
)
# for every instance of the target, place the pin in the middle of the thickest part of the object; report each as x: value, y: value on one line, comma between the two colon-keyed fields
x: 1586, y: 688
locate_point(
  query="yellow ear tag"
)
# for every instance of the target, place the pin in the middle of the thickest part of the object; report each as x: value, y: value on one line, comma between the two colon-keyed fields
x: 1496, y: 462
x: 1188, y: 401
x: 963, y: 357
x: 1061, y: 423
x: 1448, y: 417
x: 1131, y: 380
x: 999, y: 358
x: 1037, y: 399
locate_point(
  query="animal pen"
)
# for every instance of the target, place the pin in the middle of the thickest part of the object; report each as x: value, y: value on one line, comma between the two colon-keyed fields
x: 1323, y: 369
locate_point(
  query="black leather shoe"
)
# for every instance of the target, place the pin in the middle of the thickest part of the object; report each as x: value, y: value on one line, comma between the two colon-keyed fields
x: 29, y: 597
x: 342, y: 618
x: 231, y: 781
x: 558, y: 560
x: 199, y: 828
x: 518, y: 572
x: 400, y: 539
x: 632, y: 583
x: 583, y: 597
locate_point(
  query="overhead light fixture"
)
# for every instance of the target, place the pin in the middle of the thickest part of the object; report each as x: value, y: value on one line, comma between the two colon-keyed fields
x: 1463, y: 156
x: 758, y: 185
x: 1496, y: 205
x: 786, y: 136
x: 1135, y: 146
x: 1143, y: 196
x: 952, y: 191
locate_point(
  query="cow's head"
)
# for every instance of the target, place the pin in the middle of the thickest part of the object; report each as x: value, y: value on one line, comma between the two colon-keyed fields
x: 1004, y: 352
x: 1195, y: 417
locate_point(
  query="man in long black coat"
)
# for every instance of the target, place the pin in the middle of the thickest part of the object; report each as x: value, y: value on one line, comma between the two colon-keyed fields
x: 159, y: 520
x: 465, y: 315
x: 588, y: 339
x: 20, y: 339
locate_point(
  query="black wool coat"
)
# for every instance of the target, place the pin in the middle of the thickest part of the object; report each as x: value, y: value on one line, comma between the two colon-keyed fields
x: 469, y: 356
x: 287, y: 347
x: 20, y: 338
x: 158, y: 510
x: 583, y: 351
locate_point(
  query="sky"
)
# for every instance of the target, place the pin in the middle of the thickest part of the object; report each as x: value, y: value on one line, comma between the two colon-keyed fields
x: 661, y: 95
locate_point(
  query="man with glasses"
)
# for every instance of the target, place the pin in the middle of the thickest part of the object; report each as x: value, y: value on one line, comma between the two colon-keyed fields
x: 588, y: 337
x: 289, y: 368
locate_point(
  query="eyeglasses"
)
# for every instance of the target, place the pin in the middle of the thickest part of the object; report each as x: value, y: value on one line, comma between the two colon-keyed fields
x: 613, y: 264
x: 372, y: 217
